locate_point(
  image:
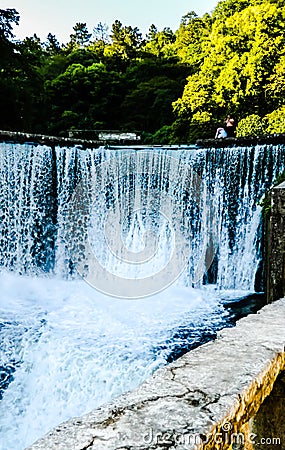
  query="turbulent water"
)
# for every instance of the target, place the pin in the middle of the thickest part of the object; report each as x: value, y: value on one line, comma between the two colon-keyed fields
x: 163, y: 239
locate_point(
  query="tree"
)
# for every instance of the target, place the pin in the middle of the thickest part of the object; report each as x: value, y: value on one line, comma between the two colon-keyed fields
x: 232, y: 61
x: 101, y: 33
x: 152, y: 32
x: 32, y: 50
x: 52, y: 45
x: 126, y: 40
x: 80, y: 37
x: 275, y: 121
x: 161, y: 43
x: 100, y: 40
x: 148, y: 106
x: 275, y: 86
x: 239, y: 63
x: 9, y: 89
x: 227, y: 8
x: 251, y: 125
x: 8, y: 18
x: 190, y: 38
x: 82, y: 96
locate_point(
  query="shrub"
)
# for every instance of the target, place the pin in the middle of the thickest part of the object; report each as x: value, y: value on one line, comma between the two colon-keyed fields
x: 252, y: 125
x: 265, y: 203
x: 163, y: 135
x: 275, y: 121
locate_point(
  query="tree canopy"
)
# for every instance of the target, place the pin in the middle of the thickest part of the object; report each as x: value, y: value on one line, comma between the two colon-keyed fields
x: 173, y: 86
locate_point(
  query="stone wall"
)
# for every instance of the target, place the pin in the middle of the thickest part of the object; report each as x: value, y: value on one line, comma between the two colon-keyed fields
x: 275, y: 245
x: 269, y: 421
x: 208, y: 399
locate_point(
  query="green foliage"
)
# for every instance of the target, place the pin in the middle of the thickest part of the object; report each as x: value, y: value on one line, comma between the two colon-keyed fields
x: 101, y: 33
x: 161, y: 43
x: 126, y: 41
x: 175, y: 86
x: 265, y: 203
x: 227, y: 8
x: 52, y: 45
x: 275, y: 87
x: 276, y: 121
x: 80, y: 37
x: 242, y: 62
x: 92, y: 94
x: 252, y: 125
x: 148, y: 106
x: 8, y: 18
x: 163, y: 136
x: 190, y: 37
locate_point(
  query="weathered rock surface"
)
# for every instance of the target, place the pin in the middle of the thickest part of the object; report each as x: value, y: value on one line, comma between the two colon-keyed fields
x: 209, y: 394
x: 275, y: 245
x: 269, y: 424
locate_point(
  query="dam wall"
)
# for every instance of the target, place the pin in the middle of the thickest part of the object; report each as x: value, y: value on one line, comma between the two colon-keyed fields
x: 226, y: 394
x: 75, y: 139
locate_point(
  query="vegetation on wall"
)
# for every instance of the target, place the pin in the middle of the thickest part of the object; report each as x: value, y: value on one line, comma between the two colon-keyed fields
x: 173, y: 86
x: 265, y: 203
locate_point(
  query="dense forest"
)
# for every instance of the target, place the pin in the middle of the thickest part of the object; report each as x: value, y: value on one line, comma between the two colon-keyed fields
x: 172, y: 87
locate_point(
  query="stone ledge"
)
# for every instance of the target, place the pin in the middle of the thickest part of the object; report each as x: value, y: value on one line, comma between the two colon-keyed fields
x: 271, y: 139
x: 29, y: 138
x: 221, y: 384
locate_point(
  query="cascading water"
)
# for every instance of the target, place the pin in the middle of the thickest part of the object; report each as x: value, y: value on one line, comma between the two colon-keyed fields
x: 179, y: 228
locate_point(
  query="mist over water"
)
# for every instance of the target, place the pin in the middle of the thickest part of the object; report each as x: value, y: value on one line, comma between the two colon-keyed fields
x: 66, y: 347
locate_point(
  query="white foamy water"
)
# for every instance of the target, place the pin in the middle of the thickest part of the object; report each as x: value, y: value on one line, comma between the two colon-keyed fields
x: 65, y: 348
x: 76, y: 348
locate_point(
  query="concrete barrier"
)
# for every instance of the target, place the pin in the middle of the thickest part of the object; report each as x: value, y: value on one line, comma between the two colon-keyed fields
x: 208, y: 399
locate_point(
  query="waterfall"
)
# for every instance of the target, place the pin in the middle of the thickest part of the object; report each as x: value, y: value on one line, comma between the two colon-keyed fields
x: 207, y: 198
x: 112, y: 261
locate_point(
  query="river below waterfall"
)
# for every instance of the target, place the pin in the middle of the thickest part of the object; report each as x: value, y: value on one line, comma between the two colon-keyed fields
x: 66, y: 349
x: 191, y: 221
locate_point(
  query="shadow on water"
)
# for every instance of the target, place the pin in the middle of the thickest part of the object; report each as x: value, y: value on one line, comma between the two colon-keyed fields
x: 9, y: 367
x: 7, y: 375
x: 188, y: 337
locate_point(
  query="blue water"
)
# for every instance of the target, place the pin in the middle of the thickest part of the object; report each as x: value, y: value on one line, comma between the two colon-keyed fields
x: 66, y: 345
x: 72, y: 348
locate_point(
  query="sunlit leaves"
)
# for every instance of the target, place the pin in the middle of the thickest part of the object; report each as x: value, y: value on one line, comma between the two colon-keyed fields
x: 161, y: 43
x: 251, y: 125
x: 243, y: 67
x: 275, y: 121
